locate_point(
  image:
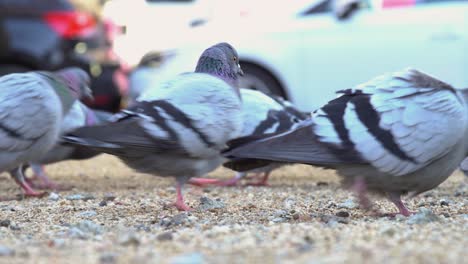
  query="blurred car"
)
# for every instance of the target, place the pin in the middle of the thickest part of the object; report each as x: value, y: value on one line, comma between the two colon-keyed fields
x: 49, y: 35
x: 323, y: 46
x: 42, y: 35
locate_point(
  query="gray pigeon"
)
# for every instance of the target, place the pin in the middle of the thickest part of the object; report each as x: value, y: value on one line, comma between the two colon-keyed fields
x: 179, y: 128
x: 32, y: 106
x: 79, y: 115
x: 262, y: 115
x: 403, y: 132
x: 464, y: 166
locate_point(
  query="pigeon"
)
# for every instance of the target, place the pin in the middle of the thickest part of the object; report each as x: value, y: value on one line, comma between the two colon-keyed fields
x: 262, y: 115
x: 399, y: 133
x: 79, y: 115
x: 143, y: 77
x: 464, y: 166
x: 178, y: 128
x: 32, y: 107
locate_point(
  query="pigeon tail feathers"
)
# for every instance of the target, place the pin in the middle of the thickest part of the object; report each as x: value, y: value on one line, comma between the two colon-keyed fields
x: 300, y: 145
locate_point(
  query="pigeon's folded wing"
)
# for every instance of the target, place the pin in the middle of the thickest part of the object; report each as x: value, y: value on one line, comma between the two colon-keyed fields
x: 21, y: 121
x: 399, y: 123
x: 129, y: 138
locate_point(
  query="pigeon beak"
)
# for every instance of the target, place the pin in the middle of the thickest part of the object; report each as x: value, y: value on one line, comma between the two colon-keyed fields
x: 239, y: 70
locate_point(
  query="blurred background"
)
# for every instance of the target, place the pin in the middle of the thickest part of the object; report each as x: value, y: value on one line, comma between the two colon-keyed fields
x: 301, y: 50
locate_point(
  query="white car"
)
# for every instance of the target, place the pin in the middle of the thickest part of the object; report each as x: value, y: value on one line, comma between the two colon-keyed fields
x: 308, y: 54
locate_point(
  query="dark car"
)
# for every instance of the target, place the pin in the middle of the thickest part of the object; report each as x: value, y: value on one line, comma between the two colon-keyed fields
x: 42, y: 35
x: 52, y: 34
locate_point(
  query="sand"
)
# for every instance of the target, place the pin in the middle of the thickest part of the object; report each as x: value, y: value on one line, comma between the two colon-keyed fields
x: 120, y: 216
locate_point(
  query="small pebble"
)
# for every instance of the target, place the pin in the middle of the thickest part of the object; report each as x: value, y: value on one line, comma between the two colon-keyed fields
x: 348, y: 204
x: 321, y: 183
x: 165, y: 236
x: 108, y: 258
x: 333, y: 221
x: 87, y: 214
x: 5, y: 223
x: 129, y: 239
x: 207, y: 204
x: 53, y: 196
x: 103, y: 203
x: 6, y: 251
x: 424, y: 216
x: 75, y: 232
x: 279, y: 220
x: 280, y: 213
x: 444, y: 202
x: 15, y: 227
x: 289, y: 203
x: 176, y: 220
x: 296, y: 216
x: 342, y: 214
x: 79, y: 196
x: 85, y: 230
x: 143, y: 228
x: 108, y: 197
x: 400, y: 217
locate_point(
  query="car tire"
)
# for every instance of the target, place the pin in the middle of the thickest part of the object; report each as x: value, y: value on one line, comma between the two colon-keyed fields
x: 7, y: 69
x: 258, y: 78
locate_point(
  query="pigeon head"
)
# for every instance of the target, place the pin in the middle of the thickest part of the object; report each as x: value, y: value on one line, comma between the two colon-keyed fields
x: 77, y: 81
x: 221, y: 60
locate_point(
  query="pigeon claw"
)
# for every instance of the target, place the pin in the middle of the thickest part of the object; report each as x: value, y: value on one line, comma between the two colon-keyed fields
x: 262, y: 182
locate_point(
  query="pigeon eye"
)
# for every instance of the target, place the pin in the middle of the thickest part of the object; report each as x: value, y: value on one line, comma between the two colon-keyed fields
x: 234, y: 58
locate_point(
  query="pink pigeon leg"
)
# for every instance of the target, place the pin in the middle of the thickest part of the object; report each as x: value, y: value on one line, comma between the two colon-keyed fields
x: 202, y: 182
x: 18, y: 175
x: 360, y: 189
x: 180, y: 204
x: 396, y: 199
x: 46, y: 182
x: 262, y: 182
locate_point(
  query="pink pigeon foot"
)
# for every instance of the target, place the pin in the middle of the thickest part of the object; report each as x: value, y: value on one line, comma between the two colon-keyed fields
x: 28, y: 190
x: 223, y: 183
x: 180, y: 204
x: 396, y: 199
x: 262, y: 182
x: 228, y: 183
x: 202, y: 182
x: 18, y: 175
x: 360, y: 189
x: 40, y: 180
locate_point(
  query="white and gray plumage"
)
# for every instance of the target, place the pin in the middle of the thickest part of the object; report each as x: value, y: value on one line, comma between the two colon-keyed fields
x: 32, y: 106
x: 141, y: 79
x: 399, y: 133
x: 78, y: 116
x: 179, y: 128
x: 262, y: 115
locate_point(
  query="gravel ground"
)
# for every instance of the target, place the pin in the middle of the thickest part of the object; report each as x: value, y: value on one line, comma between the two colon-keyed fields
x: 114, y: 215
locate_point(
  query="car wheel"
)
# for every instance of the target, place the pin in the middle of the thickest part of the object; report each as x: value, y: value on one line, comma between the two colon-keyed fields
x: 7, y: 69
x: 257, y: 78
